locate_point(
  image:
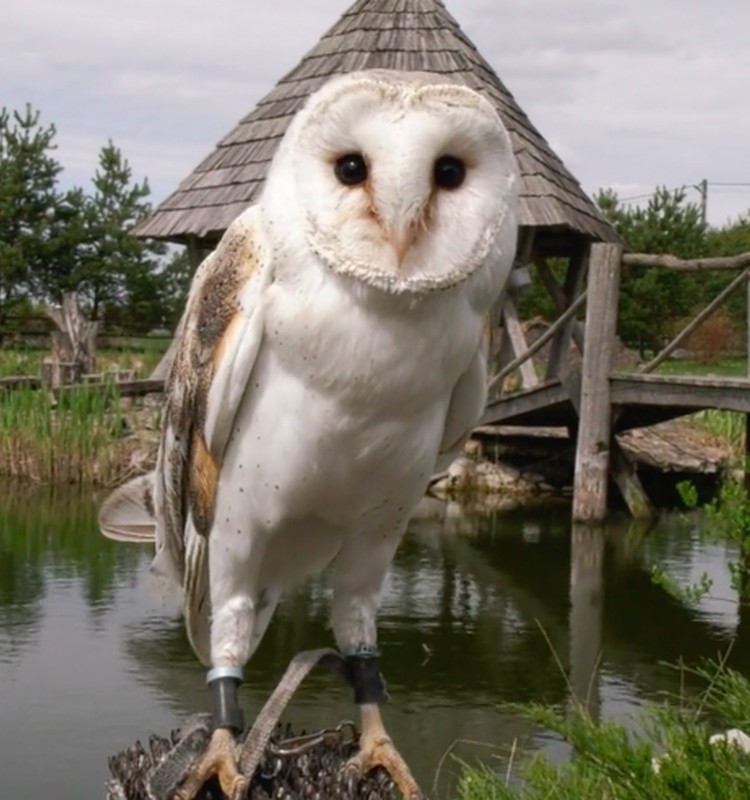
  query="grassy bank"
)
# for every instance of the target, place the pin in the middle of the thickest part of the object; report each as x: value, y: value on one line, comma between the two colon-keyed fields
x: 672, y: 758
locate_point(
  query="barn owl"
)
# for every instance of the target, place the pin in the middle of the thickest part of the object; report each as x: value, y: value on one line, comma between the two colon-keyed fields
x: 329, y: 361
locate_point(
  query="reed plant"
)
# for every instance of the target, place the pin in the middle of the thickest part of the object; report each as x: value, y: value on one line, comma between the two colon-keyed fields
x: 69, y: 437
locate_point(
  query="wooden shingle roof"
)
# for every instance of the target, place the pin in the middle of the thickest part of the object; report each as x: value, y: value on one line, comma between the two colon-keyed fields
x: 393, y: 34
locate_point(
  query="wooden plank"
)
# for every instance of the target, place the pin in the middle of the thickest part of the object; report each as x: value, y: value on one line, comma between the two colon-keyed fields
x: 594, y: 431
x: 20, y: 382
x: 140, y: 387
x: 686, y: 393
x: 125, y: 389
x: 546, y: 404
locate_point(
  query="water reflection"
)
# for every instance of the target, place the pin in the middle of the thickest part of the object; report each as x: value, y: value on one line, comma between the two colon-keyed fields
x: 476, y: 611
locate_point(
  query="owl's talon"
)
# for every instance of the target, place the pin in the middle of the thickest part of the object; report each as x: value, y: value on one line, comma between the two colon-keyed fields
x: 351, y: 777
x: 381, y: 752
x: 220, y: 760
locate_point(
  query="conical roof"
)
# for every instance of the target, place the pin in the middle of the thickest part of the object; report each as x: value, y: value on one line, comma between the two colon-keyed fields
x: 393, y: 34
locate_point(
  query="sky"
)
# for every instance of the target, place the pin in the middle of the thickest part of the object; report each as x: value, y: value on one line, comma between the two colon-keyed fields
x: 631, y: 95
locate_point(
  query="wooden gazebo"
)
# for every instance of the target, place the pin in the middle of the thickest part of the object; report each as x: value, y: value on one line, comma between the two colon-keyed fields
x: 395, y: 34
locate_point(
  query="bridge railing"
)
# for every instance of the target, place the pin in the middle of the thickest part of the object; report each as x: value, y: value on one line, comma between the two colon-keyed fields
x: 587, y: 384
x: 740, y: 262
x: 522, y: 359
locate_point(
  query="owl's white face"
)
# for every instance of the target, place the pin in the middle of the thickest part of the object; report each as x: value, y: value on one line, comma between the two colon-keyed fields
x: 400, y: 179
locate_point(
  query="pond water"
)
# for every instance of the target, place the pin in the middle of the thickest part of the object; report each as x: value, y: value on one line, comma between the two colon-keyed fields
x: 476, y: 612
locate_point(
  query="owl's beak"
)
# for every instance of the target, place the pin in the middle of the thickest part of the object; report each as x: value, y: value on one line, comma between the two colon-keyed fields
x: 403, y: 235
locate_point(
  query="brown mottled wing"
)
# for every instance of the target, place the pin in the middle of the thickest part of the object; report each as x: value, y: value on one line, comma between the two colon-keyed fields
x: 217, y: 343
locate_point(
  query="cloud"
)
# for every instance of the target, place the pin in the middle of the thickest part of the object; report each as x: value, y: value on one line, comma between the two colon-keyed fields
x: 628, y: 94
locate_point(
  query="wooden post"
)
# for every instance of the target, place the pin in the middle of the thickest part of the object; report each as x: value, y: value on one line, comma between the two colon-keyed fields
x: 586, y: 614
x: 595, y: 426
x: 73, y: 344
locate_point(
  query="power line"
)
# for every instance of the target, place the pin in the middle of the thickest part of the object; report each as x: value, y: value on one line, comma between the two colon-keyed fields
x: 635, y: 197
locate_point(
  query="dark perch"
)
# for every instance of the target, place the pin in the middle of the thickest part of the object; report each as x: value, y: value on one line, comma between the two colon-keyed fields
x: 314, y: 773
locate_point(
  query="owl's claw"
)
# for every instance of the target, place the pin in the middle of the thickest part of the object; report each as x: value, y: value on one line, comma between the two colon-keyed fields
x: 380, y: 752
x: 219, y: 760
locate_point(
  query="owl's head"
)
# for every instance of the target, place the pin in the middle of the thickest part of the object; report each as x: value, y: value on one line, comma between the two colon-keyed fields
x: 401, y: 180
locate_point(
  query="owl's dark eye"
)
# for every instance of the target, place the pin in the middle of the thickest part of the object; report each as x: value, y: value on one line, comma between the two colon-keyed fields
x: 351, y: 169
x: 449, y: 172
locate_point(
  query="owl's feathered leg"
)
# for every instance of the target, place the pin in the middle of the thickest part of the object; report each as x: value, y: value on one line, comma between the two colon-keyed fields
x: 356, y: 587
x: 240, y: 614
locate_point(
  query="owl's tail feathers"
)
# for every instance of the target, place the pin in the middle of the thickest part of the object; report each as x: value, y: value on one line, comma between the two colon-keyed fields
x: 127, y: 515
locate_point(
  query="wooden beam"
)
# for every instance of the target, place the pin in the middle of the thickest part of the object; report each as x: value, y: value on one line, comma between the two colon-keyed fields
x: 557, y: 294
x: 561, y: 346
x: 517, y: 342
x: 195, y: 252
x: 595, y: 428
x: 686, y: 265
x: 626, y: 478
x: 538, y: 344
x: 699, y: 320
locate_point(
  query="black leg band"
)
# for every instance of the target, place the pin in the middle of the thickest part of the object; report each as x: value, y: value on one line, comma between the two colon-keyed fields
x: 226, y: 709
x: 363, y: 674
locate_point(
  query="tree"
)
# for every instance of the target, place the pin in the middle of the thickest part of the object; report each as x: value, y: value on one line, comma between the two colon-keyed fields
x: 731, y: 239
x: 28, y: 203
x: 652, y: 300
x: 120, y: 271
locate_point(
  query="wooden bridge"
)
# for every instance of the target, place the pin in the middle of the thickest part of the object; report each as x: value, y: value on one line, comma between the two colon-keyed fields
x: 588, y: 397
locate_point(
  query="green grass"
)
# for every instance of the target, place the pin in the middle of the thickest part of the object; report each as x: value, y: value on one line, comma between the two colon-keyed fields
x: 728, y: 426
x: 726, y: 368
x: 611, y: 763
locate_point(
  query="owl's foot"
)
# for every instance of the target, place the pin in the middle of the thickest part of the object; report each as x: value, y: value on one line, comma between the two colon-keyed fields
x: 377, y: 750
x: 220, y: 760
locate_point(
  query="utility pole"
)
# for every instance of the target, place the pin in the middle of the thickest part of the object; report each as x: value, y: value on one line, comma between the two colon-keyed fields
x: 702, y: 189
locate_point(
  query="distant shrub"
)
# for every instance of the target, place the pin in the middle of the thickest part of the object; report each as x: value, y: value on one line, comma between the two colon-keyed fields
x: 717, y: 338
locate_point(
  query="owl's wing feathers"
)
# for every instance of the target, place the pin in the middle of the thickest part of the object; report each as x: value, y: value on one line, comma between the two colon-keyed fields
x: 465, y: 409
x: 218, y: 341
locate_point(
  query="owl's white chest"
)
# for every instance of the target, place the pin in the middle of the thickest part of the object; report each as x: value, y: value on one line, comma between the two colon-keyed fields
x: 339, y: 429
